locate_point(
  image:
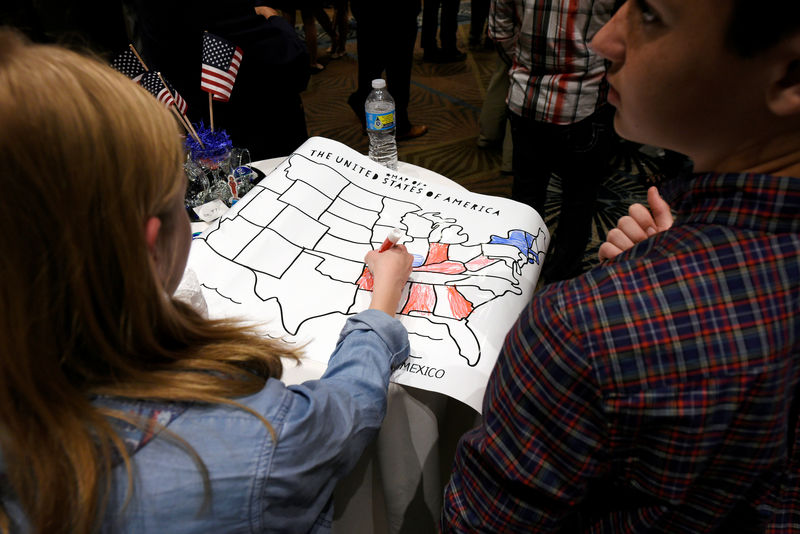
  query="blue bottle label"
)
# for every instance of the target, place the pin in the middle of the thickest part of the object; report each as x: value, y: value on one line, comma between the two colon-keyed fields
x: 380, y: 121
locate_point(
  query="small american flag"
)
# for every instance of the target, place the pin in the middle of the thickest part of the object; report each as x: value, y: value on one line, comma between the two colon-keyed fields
x: 153, y: 83
x: 129, y: 65
x: 221, y: 60
x: 180, y: 103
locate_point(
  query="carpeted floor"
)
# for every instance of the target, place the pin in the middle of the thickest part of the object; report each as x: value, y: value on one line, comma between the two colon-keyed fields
x: 448, y: 99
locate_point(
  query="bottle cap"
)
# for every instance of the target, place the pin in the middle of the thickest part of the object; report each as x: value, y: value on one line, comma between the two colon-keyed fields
x: 378, y: 83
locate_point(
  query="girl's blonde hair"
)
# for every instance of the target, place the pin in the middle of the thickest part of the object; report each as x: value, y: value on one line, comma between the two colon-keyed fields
x: 86, y: 157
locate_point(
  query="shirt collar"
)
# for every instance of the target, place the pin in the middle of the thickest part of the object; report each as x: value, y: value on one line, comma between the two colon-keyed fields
x: 759, y: 202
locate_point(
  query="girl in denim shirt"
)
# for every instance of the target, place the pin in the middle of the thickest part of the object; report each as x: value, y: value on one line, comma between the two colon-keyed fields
x: 121, y: 408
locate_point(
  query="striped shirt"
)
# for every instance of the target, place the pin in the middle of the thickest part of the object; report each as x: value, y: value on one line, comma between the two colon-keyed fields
x: 554, y: 75
x: 655, y: 393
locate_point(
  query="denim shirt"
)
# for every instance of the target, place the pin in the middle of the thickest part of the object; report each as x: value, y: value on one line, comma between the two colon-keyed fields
x: 257, y: 484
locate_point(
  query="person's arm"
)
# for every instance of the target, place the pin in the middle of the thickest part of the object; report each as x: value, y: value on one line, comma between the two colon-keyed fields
x: 266, y: 11
x: 502, y: 28
x: 542, y: 438
x: 328, y: 422
x: 271, y: 47
x: 638, y: 225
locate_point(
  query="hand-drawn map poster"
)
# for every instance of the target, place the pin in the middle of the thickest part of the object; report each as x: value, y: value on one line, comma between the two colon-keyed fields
x: 290, y: 256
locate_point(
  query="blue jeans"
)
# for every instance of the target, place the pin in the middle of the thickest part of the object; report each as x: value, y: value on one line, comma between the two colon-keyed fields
x: 579, y: 154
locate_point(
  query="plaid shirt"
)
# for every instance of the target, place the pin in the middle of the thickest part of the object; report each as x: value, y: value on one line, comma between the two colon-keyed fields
x: 655, y: 393
x: 555, y: 77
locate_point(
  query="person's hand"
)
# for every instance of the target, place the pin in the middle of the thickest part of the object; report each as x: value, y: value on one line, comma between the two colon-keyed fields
x: 266, y: 12
x: 637, y: 226
x: 390, y: 271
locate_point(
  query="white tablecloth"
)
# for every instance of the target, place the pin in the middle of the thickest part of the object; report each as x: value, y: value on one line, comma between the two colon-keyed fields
x: 398, y: 483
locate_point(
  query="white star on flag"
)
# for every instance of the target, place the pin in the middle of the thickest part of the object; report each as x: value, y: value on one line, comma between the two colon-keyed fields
x: 128, y: 64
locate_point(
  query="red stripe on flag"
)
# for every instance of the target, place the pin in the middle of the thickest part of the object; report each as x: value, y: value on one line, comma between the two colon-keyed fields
x: 219, y: 78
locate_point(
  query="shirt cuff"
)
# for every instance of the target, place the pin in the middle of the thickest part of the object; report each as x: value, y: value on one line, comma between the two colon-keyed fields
x: 390, y: 330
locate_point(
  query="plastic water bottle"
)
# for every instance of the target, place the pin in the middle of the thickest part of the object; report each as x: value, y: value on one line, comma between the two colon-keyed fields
x: 381, y: 125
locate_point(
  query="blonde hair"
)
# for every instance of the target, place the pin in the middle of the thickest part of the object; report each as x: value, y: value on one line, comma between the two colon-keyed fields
x: 86, y: 157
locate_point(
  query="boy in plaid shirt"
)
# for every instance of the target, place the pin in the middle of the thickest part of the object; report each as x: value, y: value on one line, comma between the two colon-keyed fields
x: 659, y: 391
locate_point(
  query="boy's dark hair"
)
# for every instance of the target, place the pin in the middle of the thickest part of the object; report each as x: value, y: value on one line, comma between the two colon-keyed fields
x: 756, y: 26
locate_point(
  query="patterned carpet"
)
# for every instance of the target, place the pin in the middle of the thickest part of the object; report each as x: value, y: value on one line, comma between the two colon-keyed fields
x: 448, y: 98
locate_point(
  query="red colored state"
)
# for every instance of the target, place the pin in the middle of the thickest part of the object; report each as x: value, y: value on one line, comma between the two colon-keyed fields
x: 421, y: 298
x: 459, y: 305
x: 438, y: 261
x: 479, y: 262
x: 447, y: 267
x: 366, y: 281
x: 437, y: 253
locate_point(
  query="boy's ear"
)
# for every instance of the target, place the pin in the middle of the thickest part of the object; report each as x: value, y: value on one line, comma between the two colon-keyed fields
x: 783, y: 97
x: 151, y: 230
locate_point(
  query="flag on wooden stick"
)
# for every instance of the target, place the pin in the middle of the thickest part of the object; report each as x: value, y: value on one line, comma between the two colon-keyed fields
x: 221, y: 60
x: 152, y: 82
x: 129, y: 64
x: 178, y: 107
x: 180, y: 103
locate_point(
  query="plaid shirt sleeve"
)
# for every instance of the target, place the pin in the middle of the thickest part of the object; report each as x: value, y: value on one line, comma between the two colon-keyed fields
x: 502, y: 27
x: 528, y: 463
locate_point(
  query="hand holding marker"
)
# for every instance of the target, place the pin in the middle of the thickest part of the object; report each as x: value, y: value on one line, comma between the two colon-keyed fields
x: 390, y: 272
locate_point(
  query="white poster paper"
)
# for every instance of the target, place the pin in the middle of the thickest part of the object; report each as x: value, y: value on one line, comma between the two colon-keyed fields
x: 289, y: 256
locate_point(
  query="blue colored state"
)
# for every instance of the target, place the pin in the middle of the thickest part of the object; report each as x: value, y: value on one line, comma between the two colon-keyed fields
x: 520, y: 239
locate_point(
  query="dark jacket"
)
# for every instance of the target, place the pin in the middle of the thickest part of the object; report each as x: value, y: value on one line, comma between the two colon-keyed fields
x: 265, y: 112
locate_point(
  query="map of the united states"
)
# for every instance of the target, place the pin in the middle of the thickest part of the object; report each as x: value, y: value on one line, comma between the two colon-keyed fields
x: 311, y: 227
x: 289, y: 258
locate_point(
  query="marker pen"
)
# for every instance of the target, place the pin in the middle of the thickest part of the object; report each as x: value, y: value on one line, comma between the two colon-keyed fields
x: 391, y: 240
